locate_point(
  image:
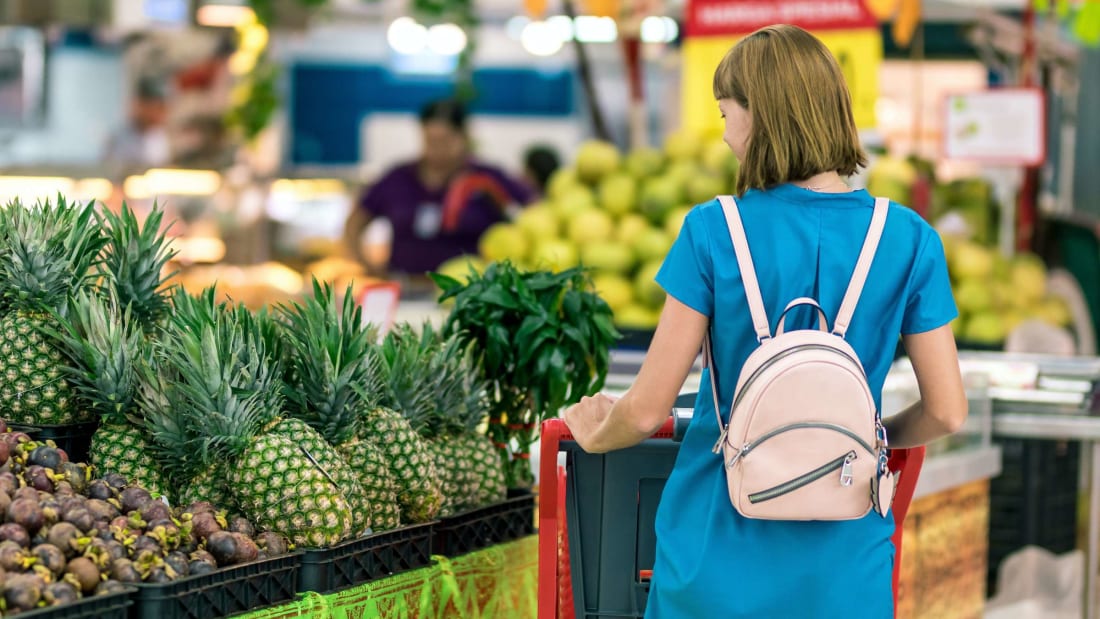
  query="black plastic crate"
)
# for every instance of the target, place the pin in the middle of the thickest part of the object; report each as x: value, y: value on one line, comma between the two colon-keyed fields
x: 1033, y: 502
x: 487, y: 526
x: 366, y: 559
x: 222, y: 593
x: 74, y: 438
x: 109, y: 606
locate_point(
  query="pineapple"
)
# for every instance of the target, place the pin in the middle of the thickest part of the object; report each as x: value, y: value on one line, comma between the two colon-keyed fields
x: 332, y: 379
x: 469, y: 407
x: 408, y: 388
x: 132, y: 272
x: 102, y: 345
x: 470, y: 469
x: 48, y: 252
x: 228, y: 401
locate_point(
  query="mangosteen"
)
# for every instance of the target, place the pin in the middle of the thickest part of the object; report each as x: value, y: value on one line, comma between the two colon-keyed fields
x: 63, y: 488
x: 123, y: 570
x: 240, y: 524
x: 108, y: 587
x: 38, y: 477
x: 116, y: 481
x: 158, y: 575
x: 155, y: 510
x: 45, y: 456
x: 49, y: 556
x: 99, y: 489
x: 22, y: 592
x: 179, y: 563
x: 197, y: 567
x: 115, y: 549
x: 273, y: 544
x: 134, y: 499
x: 201, y: 507
x: 224, y: 546
x: 27, y: 513
x: 204, y: 525
x: 5, y: 452
x: 101, y: 510
x: 3, y: 426
x: 16, y: 533
x: 145, y: 542
x: 8, y: 483
x: 247, y: 550
x: 64, y: 535
x: 121, y: 523
x: 12, y: 557
x: 75, y: 474
x: 80, y: 517
x: 86, y: 572
x: 25, y: 492
x: 60, y: 593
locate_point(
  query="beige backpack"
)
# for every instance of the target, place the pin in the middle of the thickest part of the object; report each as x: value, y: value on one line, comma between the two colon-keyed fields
x: 805, y: 440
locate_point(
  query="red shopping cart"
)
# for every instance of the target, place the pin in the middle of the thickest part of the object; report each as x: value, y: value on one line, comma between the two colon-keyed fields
x: 596, y: 520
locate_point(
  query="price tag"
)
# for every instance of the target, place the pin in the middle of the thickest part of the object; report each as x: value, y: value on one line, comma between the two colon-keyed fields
x: 379, y: 303
x: 1003, y: 125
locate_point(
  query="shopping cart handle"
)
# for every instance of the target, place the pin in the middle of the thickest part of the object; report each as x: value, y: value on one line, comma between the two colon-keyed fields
x: 681, y: 419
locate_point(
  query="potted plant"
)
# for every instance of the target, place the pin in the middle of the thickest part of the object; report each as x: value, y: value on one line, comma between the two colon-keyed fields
x: 544, y: 341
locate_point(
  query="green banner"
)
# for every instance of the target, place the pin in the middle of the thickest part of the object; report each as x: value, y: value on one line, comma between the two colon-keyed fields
x: 498, y: 582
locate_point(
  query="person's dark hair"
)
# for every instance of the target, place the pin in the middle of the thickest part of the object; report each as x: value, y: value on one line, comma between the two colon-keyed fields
x: 541, y: 161
x: 449, y: 111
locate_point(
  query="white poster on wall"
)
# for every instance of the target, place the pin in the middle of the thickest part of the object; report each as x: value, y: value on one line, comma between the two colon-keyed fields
x: 1001, y: 126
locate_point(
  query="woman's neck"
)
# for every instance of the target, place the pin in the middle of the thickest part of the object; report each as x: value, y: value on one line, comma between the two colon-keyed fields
x: 436, y: 177
x: 825, y: 182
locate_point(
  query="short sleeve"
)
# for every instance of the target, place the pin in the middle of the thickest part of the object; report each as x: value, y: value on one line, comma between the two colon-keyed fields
x: 930, y: 303
x: 687, y: 272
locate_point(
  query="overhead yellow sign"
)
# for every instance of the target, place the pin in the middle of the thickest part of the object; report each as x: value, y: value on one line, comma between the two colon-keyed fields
x: 859, y: 52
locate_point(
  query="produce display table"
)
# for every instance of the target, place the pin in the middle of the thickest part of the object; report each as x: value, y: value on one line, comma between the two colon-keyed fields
x: 499, y: 581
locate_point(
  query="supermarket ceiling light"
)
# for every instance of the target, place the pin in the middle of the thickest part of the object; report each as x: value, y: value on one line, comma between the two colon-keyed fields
x: 515, y: 26
x: 592, y: 29
x: 656, y: 29
x: 446, y: 39
x: 406, y: 36
x: 563, y: 26
x: 224, y: 15
x: 540, y: 38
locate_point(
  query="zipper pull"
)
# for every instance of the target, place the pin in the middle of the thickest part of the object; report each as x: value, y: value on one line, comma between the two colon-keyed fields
x: 737, y: 456
x: 846, y: 476
x: 721, y: 439
x: 880, y: 431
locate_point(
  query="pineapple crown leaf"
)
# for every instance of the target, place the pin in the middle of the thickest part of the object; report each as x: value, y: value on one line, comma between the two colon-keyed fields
x: 50, y: 250
x: 134, y: 261
x: 172, y: 440
x: 332, y: 377
x: 101, y: 344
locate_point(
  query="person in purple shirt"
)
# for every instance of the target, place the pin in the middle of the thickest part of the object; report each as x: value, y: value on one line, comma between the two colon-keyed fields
x: 440, y: 204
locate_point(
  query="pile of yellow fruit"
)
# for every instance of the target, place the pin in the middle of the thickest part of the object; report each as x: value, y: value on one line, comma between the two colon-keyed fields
x: 617, y: 214
x: 995, y: 294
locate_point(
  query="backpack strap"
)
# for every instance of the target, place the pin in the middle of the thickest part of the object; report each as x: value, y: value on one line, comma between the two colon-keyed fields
x: 708, y: 364
x: 863, y: 267
x: 748, y: 271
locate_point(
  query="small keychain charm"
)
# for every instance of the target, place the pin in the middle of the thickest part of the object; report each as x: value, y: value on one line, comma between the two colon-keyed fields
x: 883, y: 487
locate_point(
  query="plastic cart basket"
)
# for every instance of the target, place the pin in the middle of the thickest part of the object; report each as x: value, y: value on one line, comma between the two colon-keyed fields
x: 596, y: 520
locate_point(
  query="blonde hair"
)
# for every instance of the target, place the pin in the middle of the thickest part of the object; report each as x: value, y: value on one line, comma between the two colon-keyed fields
x: 802, y: 122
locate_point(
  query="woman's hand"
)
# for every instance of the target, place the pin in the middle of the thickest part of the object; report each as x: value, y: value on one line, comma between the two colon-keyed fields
x: 585, y: 418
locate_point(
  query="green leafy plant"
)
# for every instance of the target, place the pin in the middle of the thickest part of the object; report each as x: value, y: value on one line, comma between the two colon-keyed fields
x: 544, y: 341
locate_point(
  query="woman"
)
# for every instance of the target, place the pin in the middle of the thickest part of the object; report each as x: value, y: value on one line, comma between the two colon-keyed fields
x: 439, y: 205
x: 788, y: 119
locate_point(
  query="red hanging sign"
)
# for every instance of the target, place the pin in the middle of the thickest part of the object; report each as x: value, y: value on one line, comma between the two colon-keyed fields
x: 726, y: 17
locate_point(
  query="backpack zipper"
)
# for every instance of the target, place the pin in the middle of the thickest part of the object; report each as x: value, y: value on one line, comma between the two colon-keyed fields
x: 747, y: 447
x: 756, y: 374
x: 843, y: 464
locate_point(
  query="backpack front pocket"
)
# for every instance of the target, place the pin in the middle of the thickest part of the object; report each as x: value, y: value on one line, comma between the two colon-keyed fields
x: 843, y: 464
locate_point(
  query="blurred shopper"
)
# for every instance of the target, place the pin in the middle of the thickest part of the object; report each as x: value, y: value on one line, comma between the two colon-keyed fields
x: 143, y: 143
x: 539, y: 164
x: 439, y: 205
x: 788, y: 119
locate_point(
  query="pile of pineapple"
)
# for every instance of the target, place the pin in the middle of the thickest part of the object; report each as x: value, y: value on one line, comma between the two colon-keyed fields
x: 299, y: 418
